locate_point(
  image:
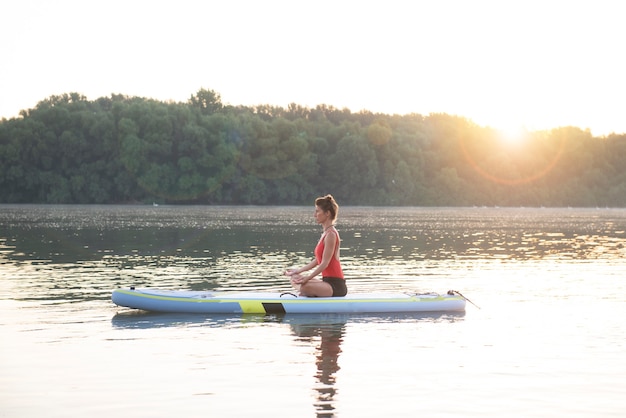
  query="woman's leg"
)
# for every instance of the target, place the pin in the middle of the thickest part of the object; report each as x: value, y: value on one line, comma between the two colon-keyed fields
x: 316, y: 288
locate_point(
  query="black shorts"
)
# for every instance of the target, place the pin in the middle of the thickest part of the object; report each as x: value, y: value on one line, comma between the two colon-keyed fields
x: 338, y: 285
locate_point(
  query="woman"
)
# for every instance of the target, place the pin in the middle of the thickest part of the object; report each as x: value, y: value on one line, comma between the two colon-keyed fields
x: 326, y: 257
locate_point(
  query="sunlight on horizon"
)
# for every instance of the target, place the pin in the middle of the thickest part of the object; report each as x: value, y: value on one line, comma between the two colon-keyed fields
x: 514, y: 135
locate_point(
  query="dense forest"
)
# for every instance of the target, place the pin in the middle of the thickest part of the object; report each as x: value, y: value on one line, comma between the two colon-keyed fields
x: 123, y: 149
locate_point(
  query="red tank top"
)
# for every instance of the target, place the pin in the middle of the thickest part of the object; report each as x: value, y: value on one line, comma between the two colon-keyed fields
x: 334, y: 267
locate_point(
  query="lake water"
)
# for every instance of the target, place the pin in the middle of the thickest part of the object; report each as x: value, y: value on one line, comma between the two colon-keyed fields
x: 548, y: 339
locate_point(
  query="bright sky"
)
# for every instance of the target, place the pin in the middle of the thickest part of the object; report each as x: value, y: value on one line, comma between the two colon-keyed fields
x: 502, y: 63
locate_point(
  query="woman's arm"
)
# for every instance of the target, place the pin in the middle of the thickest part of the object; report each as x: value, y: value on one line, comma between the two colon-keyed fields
x: 309, y: 266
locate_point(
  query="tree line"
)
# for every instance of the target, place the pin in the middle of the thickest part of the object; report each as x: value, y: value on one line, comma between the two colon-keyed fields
x: 122, y: 149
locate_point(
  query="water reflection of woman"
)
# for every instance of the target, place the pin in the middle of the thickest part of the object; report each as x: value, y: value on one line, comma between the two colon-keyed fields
x: 326, y: 259
x: 327, y: 355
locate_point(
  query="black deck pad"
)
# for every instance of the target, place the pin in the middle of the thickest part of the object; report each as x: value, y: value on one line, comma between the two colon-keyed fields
x: 271, y: 307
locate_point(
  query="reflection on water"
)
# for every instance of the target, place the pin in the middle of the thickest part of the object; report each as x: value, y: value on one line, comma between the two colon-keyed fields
x: 137, y: 319
x: 325, y: 332
x: 328, y: 338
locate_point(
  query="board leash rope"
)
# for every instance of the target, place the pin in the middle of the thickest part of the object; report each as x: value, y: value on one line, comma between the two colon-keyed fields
x: 288, y: 293
x: 456, y: 292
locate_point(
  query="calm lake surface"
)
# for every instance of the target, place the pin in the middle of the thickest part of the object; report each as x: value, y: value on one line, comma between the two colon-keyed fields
x: 548, y: 340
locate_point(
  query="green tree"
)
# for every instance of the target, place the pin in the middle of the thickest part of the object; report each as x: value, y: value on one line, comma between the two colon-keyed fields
x: 207, y: 101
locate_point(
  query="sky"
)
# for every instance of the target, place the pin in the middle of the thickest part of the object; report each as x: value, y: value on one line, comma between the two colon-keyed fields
x: 510, y: 64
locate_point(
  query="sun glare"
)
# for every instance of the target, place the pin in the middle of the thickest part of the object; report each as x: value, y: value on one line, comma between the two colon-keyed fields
x: 514, y: 135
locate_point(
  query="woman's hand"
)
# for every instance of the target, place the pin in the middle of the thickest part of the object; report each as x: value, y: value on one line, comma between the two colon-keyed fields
x: 297, y: 278
x: 290, y: 272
